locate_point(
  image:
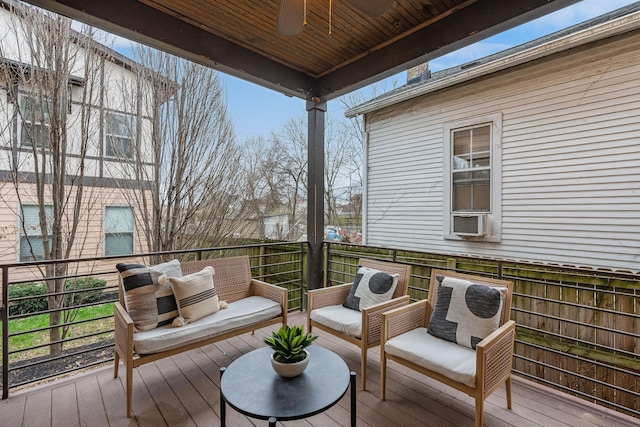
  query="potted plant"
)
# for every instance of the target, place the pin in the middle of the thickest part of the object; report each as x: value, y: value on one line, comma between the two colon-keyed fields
x: 289, y: 357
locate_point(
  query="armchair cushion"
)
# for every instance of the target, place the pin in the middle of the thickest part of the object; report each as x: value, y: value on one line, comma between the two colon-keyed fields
x: 454, y: 361
x: 340, y: 319
x: 465, y: 313
x: 370, y: 287
x: 148, y: 303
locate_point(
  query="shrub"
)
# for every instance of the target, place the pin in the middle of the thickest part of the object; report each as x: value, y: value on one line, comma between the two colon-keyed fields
x: 37, y: 302
x: 86, y: 290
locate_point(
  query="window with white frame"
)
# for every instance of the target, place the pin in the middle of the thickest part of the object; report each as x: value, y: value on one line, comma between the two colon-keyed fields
x: 119, y: 132
x: 31, y: 237
x: 471, y: 169
x: 35, y: 117
x: 472, y: 178
x: 118, y: 230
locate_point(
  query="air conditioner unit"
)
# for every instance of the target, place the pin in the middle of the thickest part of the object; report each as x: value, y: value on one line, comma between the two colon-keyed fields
x: 469, y: 224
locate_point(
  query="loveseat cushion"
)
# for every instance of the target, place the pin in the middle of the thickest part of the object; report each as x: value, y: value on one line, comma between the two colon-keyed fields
x: 465, y: 312
x: 238, y: 314
x: 148, y: 303
x: 339, y: 318
x: 444, y: 357
x: 370, y: 287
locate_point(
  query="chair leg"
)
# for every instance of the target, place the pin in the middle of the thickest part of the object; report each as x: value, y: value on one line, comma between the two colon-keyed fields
x: 508, y: 387
x: 129, y: 369
x: 383, y: 374
x: 479, y: 408
x: 363, y: 368
x: 116, y: 362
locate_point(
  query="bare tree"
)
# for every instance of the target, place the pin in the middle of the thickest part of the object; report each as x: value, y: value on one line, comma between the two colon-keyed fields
x: 192, y: 164
x: 285, y: 164
x: 50, y: 71
x: 264, y: 187
x: 353, y: 135
x: 290, y: 146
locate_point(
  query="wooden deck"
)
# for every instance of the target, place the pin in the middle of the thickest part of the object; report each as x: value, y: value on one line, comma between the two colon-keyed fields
x: 183, y: 391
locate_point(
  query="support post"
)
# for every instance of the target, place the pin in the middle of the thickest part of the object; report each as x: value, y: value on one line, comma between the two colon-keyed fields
x: 315, y: 197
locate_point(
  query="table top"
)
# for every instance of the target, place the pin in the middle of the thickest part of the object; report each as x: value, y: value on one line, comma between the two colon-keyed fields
x: 252, y: 387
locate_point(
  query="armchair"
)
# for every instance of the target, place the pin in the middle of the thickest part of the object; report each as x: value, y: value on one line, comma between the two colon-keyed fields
x: 362, y: 328
x: 407, y: 338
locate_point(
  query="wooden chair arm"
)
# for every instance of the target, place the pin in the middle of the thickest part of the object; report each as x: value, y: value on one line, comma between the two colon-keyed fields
x: 121, y: 315
x: 272, y: 292
x: 494, y: 356
x: 372, y: 318
x: 334, y: 295
x: 403, y: 319
x: 123, y: 331
x: 269, y: 291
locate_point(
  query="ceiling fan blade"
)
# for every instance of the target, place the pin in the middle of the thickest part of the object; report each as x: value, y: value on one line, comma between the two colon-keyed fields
x: 291, y: 17
x: 373, y: 8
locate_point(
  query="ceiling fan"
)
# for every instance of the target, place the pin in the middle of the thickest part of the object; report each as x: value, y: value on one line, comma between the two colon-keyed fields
x: 292, y: 14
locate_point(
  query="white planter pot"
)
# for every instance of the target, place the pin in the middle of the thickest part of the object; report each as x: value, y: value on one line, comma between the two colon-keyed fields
x: 290, y: 370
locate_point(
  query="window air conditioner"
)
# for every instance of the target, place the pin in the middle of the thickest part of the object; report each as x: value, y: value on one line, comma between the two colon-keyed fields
x: 469, y: 224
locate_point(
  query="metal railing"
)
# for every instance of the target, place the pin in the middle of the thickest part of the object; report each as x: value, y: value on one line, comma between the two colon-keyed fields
x: 577, y: 328
x: 35, y: 347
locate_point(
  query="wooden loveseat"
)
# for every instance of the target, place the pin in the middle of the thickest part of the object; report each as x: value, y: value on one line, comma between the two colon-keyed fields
x: 252, y: 305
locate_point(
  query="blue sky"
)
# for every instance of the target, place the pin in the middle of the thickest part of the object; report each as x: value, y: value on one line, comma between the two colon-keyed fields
x: 256, y: 111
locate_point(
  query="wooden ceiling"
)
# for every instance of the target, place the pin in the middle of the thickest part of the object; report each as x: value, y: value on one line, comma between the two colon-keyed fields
x: 240, y: 37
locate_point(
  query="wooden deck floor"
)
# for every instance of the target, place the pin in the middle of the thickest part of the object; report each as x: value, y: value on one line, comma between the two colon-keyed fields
x: 183, y: 391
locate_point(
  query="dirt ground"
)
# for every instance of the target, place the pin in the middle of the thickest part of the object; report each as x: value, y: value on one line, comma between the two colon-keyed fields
x: 41, y: 368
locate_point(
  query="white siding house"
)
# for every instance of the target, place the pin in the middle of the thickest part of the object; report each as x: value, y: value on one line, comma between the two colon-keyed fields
x: 532, y: 154
x: 276, y: 226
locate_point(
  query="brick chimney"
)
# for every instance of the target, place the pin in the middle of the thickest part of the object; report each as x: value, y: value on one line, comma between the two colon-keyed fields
x: 419, y: 73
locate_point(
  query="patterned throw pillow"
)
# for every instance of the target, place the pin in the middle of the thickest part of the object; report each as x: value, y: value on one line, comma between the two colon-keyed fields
x: 195, y: 294
x: 370, y: 287
x: 148, y: 303
x: 465, y: 313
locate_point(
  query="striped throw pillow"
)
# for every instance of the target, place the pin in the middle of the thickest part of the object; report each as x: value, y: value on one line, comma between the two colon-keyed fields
x: 195, y: 294
x: 148, y: 303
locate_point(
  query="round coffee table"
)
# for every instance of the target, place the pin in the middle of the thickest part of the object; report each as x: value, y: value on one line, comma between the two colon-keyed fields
x: 251, y: 386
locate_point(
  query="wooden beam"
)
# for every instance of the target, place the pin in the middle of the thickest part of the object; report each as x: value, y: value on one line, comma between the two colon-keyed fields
x: 473, y: 23
x: 136, y: 21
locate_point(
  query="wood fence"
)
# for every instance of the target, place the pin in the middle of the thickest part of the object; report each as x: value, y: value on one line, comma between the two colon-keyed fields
x: 578, y: 329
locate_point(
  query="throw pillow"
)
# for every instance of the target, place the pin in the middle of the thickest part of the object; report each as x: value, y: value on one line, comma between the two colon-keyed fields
x: 148, y: 303
x: 465, y: 313
x: 370, y: 287
x: 195, y: 294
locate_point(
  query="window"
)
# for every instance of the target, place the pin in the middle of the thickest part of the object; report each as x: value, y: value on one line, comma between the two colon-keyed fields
x: 119, y: 132
x: 35, y: 122
x: 118, y: 230
x: 31, y: 239
x: 471, y: 169
x: 472, y: 184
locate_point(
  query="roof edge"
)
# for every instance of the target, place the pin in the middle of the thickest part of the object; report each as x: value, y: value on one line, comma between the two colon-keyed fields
x: 607, y: 29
